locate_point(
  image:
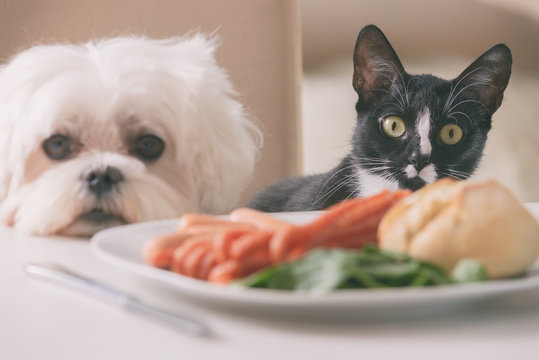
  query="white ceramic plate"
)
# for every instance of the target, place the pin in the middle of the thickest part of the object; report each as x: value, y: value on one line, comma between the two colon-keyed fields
x: 123, y: 245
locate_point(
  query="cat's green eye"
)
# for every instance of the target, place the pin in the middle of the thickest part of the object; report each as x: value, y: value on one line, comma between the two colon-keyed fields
x: 393, y: 126
x: 451, y: 134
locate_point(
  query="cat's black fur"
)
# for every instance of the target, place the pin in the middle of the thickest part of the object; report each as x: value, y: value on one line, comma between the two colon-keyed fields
x: 385, y: 89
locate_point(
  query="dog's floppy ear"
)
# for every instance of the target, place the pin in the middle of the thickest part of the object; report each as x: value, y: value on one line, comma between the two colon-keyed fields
x: 227, y: 158
x: 223, y: 141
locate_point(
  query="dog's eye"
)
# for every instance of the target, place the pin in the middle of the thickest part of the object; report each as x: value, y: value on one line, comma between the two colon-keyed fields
x: 57, y: 146
x: 149, y: 147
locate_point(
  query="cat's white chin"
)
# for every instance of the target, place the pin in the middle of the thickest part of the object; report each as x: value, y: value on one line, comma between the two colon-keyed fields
x: 427, y: 174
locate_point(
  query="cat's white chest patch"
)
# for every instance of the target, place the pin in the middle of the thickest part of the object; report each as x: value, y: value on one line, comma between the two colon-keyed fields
x: 423, y: 129
x: 370, y: 184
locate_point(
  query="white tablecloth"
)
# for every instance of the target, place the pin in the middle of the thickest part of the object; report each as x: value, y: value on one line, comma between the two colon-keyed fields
x: 44, y: 321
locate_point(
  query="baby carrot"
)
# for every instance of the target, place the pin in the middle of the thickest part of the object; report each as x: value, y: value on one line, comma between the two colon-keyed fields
x: 249, y: 243
x: 224, y: 272
x: 358, y: 214
x: 222, y: 242
x: 191, y: 261
x: 331, y: 218
x: 285, y: 239
x: 206, y: 264
x: 185, y: 249
x: 259, y: 219
x: 256, y: 261
x: 216, y: 227
x: 193, y: 219
x: 159, y: 250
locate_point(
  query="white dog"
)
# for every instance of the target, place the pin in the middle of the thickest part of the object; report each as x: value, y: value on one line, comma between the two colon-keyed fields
x: 119, y: 131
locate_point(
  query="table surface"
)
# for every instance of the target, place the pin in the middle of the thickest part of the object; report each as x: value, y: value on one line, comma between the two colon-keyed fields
x: 41, y: 320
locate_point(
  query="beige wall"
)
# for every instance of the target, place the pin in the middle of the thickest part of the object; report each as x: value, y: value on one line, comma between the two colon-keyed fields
x: 260, y: 48
x: 423, y: 27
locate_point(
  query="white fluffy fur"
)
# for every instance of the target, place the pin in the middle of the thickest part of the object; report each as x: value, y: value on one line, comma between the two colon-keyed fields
x: 173, y: 88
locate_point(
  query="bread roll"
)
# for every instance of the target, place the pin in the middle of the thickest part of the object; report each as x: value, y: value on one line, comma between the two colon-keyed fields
x: 447, y: 221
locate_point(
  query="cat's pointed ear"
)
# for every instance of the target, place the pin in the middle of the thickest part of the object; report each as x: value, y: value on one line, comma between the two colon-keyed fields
x: 376, y: 65
x: 486, y: 78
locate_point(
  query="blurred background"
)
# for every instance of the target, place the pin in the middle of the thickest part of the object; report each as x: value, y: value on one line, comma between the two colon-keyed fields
x: 291, y: 62
x: 430, y: 37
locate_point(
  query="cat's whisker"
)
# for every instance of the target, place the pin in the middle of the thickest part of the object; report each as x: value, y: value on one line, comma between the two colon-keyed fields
x: 331, y: 177
x: 374, y: 164
x: 406, y: 99
x: 390, y: 176
x: 378, y: 169
x: 394, y: 86
x: 372, y: 161
x: 459, y: 172
x: 480, y: 82
x: 353, y: 194
x: 386, y: 178
x: 450, y: 97
x: 386, y: 174
x: 382, y: 69
x: 381, y: 162
x: 409, y: 81
x: 400, y: 105
x: 452, y: 116
x: 351, y: 166
x: 396, y: 89
x: 371, y: 158
x: 455, y: 174
x: 457, y: 177
x: 372, y: 118
x: 347, y: 180
x: 468, y: 101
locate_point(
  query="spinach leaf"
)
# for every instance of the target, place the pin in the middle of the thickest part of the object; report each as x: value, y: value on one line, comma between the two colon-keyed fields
x: 469, y: 270
x: 320, y: 270
x: 323, y: 270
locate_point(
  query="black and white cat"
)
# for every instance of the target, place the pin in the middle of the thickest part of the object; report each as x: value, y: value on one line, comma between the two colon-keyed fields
x: 411, y: 129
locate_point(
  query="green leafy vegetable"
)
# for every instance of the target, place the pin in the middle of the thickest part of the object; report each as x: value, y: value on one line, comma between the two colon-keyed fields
x: 322, y: 270
x: 469, y: 270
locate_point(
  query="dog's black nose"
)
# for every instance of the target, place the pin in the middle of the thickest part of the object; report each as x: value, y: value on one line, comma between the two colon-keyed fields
x: 100, y: 181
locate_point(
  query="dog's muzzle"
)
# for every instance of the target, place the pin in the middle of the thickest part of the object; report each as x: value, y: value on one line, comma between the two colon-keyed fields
x: 101, y: 181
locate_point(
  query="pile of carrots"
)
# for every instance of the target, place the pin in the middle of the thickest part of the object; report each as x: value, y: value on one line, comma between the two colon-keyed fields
x: 218, y: 250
